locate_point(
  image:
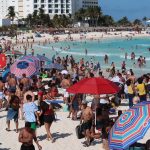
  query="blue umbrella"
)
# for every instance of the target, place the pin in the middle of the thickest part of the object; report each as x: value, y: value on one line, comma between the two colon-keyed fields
x: 55, y: 66
x: 43, y: 58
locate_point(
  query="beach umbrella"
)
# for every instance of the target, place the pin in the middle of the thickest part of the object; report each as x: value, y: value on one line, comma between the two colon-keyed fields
x: 130, y: 127
x: 43, y: 58
x: 23, y: 67
x: 54, y: 66
x: 95, y: 85
x: 32, y: 59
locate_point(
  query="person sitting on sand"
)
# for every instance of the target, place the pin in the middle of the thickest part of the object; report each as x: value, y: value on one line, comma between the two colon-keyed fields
x: 26, y: 137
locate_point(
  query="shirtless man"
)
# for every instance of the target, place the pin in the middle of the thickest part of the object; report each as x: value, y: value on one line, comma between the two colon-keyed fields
x: 87, y: 118
x: 65, y: 84
x: 26, y: 82
x: 1, y: 93
x: 26, y: 137
x: 12, y: 83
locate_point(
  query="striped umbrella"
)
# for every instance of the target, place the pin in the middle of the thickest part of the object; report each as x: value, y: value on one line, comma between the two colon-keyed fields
x: 33, y: 59
x: 23, y: 67
x: 130, y: 127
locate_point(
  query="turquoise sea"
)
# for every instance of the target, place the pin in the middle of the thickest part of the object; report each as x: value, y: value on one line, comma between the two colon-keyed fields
x: 114, y: 48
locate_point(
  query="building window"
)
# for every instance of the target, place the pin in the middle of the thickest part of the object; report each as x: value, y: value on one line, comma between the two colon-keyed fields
x: 35, y: 1
x: 62, y: 11
x: 35, y: 6
x: 42, y: 1
x: 42, y: 6
x: 49, y: 1
x: 67, y: 6
x: 49, y: 6
x: 56, y: 1
x: 50, y: 11
x: 56, y: 10
x: 67, y: 11
x: 56, y: 5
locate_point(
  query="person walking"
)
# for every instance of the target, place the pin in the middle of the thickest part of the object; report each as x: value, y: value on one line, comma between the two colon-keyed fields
x: 26, y: 137
x: 13, y: 111
x: 48, y: 118
x: 30, y: 111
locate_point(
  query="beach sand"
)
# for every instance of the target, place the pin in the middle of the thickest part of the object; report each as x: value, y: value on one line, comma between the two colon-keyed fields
x: 63, y: 131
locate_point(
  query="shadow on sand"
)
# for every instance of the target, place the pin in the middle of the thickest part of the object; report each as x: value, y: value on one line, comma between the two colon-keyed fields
x: 2, y: 116
x: 56, y: 136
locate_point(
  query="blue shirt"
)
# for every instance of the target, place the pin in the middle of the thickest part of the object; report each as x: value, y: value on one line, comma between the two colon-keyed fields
x: 29, y: 110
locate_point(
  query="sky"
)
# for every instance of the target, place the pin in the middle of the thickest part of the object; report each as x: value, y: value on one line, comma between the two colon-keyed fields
x: 133, y: 9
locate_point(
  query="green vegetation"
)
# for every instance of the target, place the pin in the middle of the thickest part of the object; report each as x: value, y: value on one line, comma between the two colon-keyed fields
x: 92, y: 15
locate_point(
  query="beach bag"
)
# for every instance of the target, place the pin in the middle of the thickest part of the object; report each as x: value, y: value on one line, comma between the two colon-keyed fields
x: 79, y: 132
x: 65, y: 108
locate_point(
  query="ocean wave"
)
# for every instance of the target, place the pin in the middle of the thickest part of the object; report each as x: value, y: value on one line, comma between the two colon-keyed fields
x: 144, y: 45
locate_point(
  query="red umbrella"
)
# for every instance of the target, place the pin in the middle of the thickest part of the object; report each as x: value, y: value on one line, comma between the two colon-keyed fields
x: 94, y: 85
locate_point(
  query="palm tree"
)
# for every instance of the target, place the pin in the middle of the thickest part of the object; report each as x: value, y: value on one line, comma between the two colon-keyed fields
x: 107, y: 20
x: 29, y: 20
x: 80, y: 15
x: 11, y: 13
x: 137, y: 22
x: 124, y: 21
x: 41, y: 15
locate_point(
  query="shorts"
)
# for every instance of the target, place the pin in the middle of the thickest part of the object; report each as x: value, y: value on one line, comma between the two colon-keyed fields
x: 87, y: 125
x: 33, y: 125
x: 12, y: 114
x: 12, y: 89
x: 27, y: 147
x: 1, y: 96
x: 49, y: 118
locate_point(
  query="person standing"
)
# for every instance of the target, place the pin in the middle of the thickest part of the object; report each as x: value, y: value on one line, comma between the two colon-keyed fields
x: 131, y: 94
x: 48, y: 118
x: 141, y: 89
x: 13, y: 111
x: 87, y: 118
x: 1, y: 93
x: 30, y: 111
x: 26, y: 137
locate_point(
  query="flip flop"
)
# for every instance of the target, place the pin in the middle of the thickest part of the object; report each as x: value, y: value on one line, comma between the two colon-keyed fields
x: 86, y: 144
x: 53, y: 140
x: 7, y: 129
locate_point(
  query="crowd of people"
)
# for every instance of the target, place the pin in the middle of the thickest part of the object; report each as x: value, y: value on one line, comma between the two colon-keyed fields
x: 20, y: 100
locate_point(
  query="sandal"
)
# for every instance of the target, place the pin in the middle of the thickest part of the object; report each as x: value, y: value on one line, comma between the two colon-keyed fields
x: 53, y: 140
x: 86, y: 144
x: 7, y: 129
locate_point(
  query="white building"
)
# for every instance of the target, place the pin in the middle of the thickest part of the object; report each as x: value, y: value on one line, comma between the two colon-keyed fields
x: 4, y: 4
x: 85, y: 4
x: 53, y: 7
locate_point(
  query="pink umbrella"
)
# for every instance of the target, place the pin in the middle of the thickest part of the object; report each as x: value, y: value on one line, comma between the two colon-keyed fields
x: 32, y: 59
x: 23, y: 67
